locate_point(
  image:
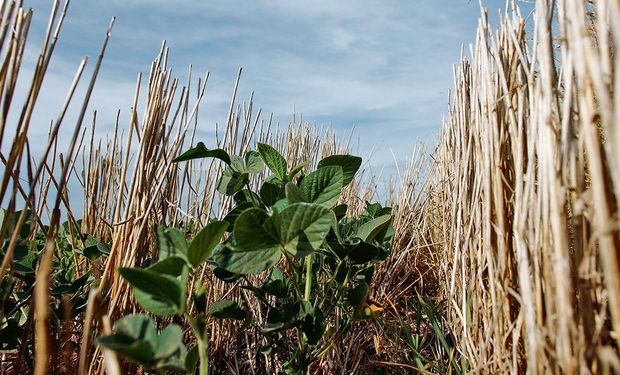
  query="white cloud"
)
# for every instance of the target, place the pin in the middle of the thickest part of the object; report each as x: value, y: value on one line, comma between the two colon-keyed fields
x: 384, y: 66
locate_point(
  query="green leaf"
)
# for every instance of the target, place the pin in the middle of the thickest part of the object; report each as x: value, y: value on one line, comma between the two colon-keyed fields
x: 243, y: 261
x: 232, y: 181
x: 202, y: 245
x: 254, y: 162
x: 256, y: 250
x: 252, y: 232
x: 323, y: 186
x: 95, y: 251
x: 373, y: 209
x: 298, y: 168
x: 191, y: 360
x: 169, y: 341
x: 349, y: 164
x: 171, y: 242
x: 340, y: 211
x: 274, y: 160
x: 237, y: 163
x: 299, y: 230
x: 294, y: 194
x: 271, y: 192
x: 302, y: 227
x: 226, y: 276
x: 280, y: 205
x: 169, y: 266
x: 133, y: 337
x: 370, y: 229
x: 363, y: 253
x: 357, y: 296
x: 153, y: 304
x: 201, y: 151
x: 137, y: 351
x: 176, y: 362
x: 164, y: 289
x: 226, y: 309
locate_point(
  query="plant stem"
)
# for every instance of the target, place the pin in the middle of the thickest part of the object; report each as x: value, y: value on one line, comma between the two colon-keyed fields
x: 254, y: 202
x: 203, y: 352
x: 308, y: 277
x: 203, y: 344
x: 294, y: 272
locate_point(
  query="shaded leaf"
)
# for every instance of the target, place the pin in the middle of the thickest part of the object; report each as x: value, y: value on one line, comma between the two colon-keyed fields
x: 201, y: 151
x: 191, y: 359
x: 95, y: 251
x: 370, y: 229
x: 313, y: 326
x: 161, y: 288
x: 274, y: 160
x: 203, y: 243
x: 357, y: 296
x: 363, y: 253
x: 294, y: 194
x: 254, y: 162
x: 225, y: 276
x: 226, y: 309
x: 233, y: 214
x: 350, y: 165
x: 340, y: 211
x: 171, y: 242
x: 232, y: 181
x: 271, y: 192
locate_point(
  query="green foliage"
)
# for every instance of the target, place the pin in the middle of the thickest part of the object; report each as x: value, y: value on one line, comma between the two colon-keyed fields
x: 158, y: 293
x: 320, y: 261
x: 226, y: 309
x: 261, y: 239
x: 274, y: 161
x: 68, y: 284
x: 424, y: 341
x: 329, y: 258
x: 202, y: 245
x: 136, y: 338
x: 349, y: 164
x: 323, y: 186
x: 201, y: 151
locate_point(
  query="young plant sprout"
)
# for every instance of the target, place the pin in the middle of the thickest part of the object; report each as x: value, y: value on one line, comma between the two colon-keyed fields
x: 318, y: 264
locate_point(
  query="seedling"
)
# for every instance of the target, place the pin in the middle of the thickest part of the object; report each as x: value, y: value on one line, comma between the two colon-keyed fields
x: 319, y: 263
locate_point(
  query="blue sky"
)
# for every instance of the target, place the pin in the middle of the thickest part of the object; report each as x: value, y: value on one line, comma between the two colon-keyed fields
x: 383, y: 67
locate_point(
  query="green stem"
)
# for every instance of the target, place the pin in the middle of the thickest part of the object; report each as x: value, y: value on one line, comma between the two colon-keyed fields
x: 203, y: 344
x: 254, y: 202
x: 308, y: 277
x: 203, y: 351
x: 294, y: 272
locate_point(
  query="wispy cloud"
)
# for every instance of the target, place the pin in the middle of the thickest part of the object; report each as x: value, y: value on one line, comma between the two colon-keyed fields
x: 381, y: 66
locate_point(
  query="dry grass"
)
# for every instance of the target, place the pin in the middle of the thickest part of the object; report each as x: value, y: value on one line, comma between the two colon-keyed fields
x: 527, y: 186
